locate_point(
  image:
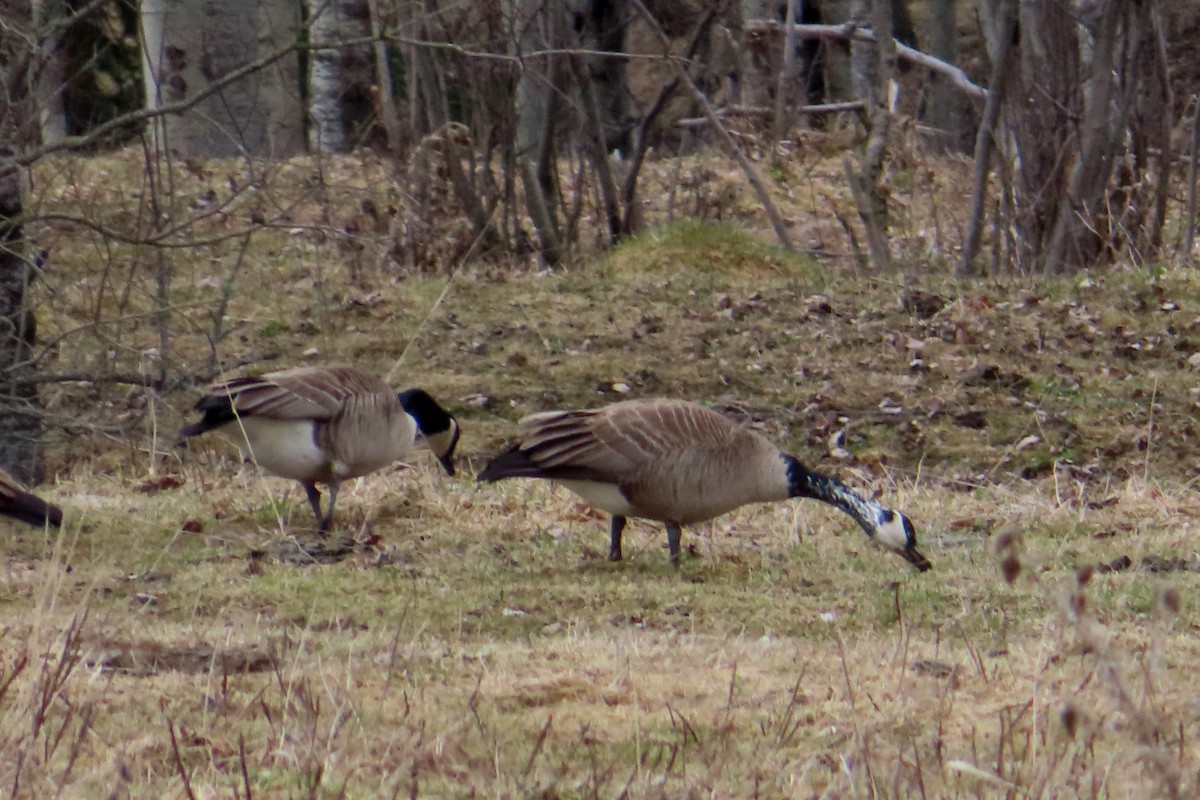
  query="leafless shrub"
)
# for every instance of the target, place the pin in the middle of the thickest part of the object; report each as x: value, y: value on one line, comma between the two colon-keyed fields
x: 42, y: 730
x: 1088, y: 116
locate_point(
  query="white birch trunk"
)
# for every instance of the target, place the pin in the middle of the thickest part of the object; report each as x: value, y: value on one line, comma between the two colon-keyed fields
x: 190, y: 45
x: 51, y: 73
x: 340, y: 75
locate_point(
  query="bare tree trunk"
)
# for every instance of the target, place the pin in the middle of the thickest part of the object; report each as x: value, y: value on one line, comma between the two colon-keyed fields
x: 944, y: 108
x: 1154, y: 111
x: 341, y: 102
x: 640, y: 136
x: 1072, y: 240
x: 20, y: 423
x: 540, y: 212
x: 602, y: 40
x: 410, y: 22
x: 875, y: 70
x: 1189, y: 241
x: 536, y: 103
x: 760, y: 189
x: 598, y: 153
x: 1001, y: 67
x: 189, y: 44
x: 18, y: 75
x: 835, y: 59
x: 387, y: 89
x: 429, y: 89
x: 51, y: 71
x: 787, y: 75
x: 1089, y: 116
x: 600, y: 79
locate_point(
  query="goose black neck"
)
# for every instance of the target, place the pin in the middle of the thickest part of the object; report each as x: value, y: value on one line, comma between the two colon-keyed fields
x: 803, y: 482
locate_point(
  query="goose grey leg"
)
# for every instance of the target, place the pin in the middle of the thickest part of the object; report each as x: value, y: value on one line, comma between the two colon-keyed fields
x: 614, y: 549
x: 314, y: 500
x: 673, y: 542
x: 327, y: 523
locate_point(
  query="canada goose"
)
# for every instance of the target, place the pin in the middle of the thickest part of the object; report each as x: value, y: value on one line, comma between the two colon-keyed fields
x: 19, y: 504
x: 678, y: 463
x: 324, y: 425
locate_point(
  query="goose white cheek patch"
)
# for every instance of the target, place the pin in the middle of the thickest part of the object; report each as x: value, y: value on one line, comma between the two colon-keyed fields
x: 892, y: 533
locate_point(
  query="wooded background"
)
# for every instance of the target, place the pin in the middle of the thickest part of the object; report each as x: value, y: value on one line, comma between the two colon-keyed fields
x: 518, y: 131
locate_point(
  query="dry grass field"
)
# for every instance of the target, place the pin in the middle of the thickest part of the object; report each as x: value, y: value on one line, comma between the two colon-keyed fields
x: 186, y: 634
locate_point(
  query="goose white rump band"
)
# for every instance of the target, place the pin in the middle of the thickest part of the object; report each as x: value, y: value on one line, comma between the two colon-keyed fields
x: 605, y: 496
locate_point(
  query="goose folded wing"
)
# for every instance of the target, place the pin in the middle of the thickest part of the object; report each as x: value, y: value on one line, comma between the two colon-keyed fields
x: 576, y: 445
x: 249, y: 397
x: 316, y: 393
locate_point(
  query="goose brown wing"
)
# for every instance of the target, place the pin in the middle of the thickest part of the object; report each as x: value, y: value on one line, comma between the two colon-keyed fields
x: 316, y: 393
x: 659, y: 428
x: 561, y: 445
x: 611, y: 443
x: 301, y: 393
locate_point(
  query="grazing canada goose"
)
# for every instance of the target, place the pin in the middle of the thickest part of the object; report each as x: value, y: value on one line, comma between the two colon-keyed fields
x: 19, y: 504
x: 678, y: 463
x: 324, y: 425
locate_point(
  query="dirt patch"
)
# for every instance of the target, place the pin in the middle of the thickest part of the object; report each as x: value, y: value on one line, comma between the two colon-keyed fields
x: 152, y: 658
x: 310, y: 550
x: 1151, y: 563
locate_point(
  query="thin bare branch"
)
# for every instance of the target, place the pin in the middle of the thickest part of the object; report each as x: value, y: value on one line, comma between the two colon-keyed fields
x: 849, y: 32
x: 597, y: 151
x: 640, y: 138
x: 762, y: 111
x: 866, y: 183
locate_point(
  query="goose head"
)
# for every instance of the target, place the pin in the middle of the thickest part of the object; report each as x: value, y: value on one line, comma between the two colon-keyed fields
x: 895, y: 531
x: 435, y: 424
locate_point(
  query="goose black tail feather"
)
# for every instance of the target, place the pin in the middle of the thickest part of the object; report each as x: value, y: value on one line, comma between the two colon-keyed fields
x: 218, y: 411
x: 517, y: 463
x: 34, y: 511
x: 514, y: 463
